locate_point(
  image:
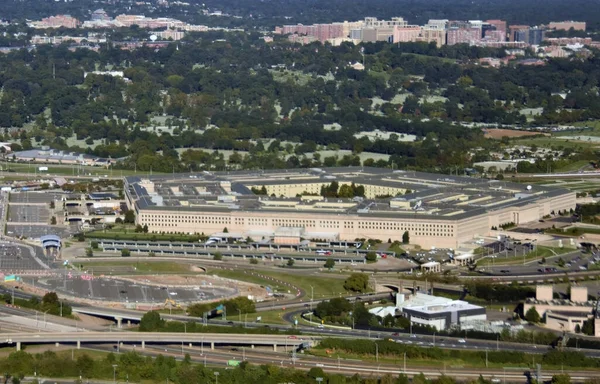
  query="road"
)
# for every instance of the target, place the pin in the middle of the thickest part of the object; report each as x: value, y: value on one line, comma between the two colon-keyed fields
x: 369, y: 367
x: 154, y: 337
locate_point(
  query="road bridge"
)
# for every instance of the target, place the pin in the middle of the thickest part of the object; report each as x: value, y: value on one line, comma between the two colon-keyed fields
x: 210, y: 339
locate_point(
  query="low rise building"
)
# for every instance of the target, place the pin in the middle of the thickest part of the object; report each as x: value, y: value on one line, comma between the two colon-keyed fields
x: 438, y: 312
x: 567, y: 315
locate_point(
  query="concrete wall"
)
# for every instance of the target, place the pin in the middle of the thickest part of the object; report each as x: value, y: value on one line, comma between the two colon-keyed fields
x: 564, y: 323
x: 544, y: 293
x: 579, y: 294
x: 543, y: 308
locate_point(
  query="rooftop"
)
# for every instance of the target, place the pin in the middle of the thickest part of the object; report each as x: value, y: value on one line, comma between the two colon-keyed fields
x: 432, y: 196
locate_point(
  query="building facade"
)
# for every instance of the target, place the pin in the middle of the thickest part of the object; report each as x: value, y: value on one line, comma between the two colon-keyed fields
x: 434, y: 212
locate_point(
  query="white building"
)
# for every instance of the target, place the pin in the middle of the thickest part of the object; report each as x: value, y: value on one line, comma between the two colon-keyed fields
x: 438, y: 312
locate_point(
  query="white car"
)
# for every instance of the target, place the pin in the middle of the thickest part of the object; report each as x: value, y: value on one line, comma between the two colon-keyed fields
x: 462, y: 341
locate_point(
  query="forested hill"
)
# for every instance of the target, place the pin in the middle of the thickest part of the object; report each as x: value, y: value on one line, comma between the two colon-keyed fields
x: 267, y: 13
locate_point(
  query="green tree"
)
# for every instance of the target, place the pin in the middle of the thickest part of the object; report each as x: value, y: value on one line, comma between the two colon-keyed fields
x: 532, y: 315
x: 290, y: 262
x: 125, y: 252
x: 129, y: 217
x: 357, y: 282
x: 254, y: 261
x: 588, y: 327
x: 329, y: 263
x: 561, y: 379
x: 405, y: 237
x: 151, y: 322
x: 89, y: 252
x: 371, y: 257
x: 94, y: 244
x: 53, y: 220
x: 218, y: 256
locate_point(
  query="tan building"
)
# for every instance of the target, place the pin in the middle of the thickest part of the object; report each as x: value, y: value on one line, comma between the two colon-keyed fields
x: 565, y: 315
x: 435, y: 210
x: 567, y: 25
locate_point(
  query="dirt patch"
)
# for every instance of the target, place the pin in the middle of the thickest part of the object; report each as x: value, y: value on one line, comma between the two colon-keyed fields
x: 500, y: 133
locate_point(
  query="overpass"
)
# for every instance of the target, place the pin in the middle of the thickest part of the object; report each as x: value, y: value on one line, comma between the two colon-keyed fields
x: 211, y: 339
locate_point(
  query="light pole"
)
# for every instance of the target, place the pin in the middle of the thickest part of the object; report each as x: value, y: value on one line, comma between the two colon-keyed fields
x: 376, y: 352
x: 216, y: 377
x: 115, y: 373
x: 434, y: 339
x: 319, y: 379
x: 239, y: 315
x: 497, y: 342
x: 312, y: 295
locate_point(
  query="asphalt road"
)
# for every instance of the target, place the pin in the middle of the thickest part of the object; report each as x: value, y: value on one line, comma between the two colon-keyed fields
x: 575, y: 258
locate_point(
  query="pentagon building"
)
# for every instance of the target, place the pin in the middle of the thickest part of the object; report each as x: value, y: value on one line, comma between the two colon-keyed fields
x: 436, y: 210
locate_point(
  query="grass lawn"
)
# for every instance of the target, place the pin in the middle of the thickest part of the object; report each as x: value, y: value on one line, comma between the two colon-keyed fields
x: 574, y: 166
x: 554, y: 141
x: 575, y: 231
x: 540, y: 252
x: 127, y: 232
x: 448, y: 363
x: 322, y: 286
x: 271, y: 317
x: 66, y: 169
x: 128, y: 267
x: 398, y: 360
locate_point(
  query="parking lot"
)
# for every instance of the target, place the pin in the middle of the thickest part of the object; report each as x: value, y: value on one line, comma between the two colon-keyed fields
x: 87, y: 286
x: 33, y: 231
x: 35, y: 197
x: 14, y: 257
x: 28, y: 214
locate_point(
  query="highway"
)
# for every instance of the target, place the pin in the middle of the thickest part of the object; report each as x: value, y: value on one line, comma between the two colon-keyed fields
x: 370, y: 366
x: 155, y: 337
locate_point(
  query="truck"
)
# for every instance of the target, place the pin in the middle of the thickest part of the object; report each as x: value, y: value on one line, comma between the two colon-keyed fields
x: 43, y: 169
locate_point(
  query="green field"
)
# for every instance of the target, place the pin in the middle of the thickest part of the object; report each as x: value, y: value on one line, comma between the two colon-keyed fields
x: 66, y: 170
x: 127, y: 232
x: 322, y: 287
x: 537, y: 254
x: 554, y: 141
x: 574, y: 166
x: 132, y: 267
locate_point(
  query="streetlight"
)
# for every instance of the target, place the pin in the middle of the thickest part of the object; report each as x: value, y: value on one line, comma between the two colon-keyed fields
x: 434, y: 339
x: 240, y: 315
x: 376, y: 352
x: 216, y: 377
x: 312, y: 295
x: 115, y: 373
x: 319, y: 379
